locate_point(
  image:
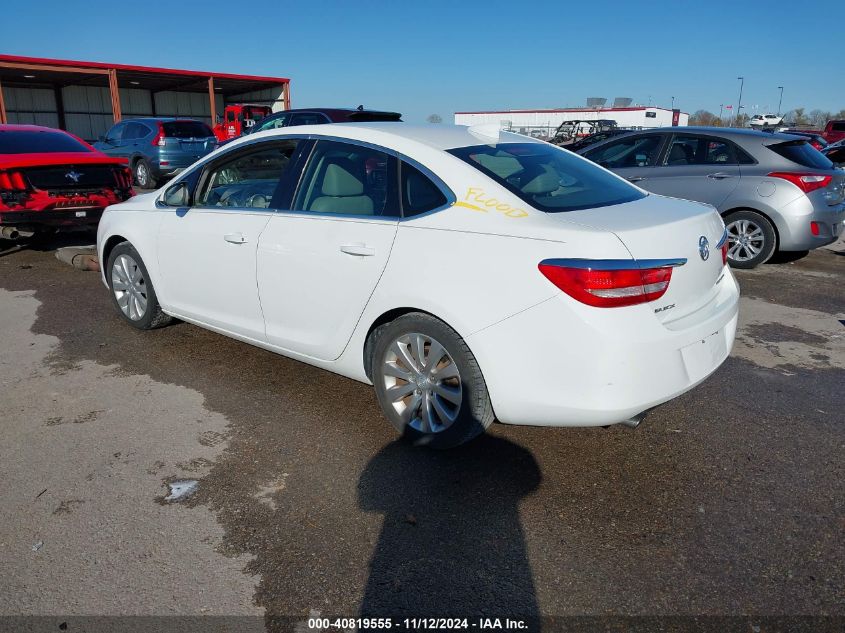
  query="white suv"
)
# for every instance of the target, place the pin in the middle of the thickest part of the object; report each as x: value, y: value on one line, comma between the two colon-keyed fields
x: 765, y: 120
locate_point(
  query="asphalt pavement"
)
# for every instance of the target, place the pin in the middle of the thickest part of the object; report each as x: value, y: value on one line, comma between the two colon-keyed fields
x: 727, y: 501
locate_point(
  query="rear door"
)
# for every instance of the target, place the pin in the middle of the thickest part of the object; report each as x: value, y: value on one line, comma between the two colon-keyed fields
x: 696, y: 167
x: 319, y: 262
x: 207, y: 252
x: 633, y: 157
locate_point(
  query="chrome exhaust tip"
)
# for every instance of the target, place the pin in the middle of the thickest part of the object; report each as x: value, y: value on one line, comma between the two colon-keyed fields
x: 635, y: 421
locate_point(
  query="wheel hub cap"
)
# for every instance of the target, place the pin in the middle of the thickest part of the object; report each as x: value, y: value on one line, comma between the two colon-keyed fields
x: 129, y: 287
x: 422, y: 383
x: 745, y: 240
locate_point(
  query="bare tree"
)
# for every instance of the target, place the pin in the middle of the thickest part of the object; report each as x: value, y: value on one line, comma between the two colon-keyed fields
x: 819, y: 118
x: 434, y: 118
x: 704, y: 117
x: 796, y: 117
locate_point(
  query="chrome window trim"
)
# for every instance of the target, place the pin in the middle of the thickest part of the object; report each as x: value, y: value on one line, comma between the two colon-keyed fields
x: 451, y: 198
x: 614, y: 264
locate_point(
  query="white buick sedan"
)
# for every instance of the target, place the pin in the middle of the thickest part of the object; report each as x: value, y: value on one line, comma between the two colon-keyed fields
x: 468, y: 274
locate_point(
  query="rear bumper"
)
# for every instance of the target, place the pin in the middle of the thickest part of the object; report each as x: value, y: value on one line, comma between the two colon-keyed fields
x: 795, y: 233
x: 566, y: 364
x: 22, y: 219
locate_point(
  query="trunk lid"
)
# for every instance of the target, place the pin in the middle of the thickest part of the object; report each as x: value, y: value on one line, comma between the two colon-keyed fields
x: 657, y: 227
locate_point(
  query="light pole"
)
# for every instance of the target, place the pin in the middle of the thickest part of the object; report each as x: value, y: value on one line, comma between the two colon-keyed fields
x: 781, y: 98
x: 721, y: 107
x: 673, y: 103
x: 739, y: 103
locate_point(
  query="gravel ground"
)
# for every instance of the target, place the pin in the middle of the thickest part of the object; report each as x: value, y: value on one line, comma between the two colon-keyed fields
x: 726, y: 501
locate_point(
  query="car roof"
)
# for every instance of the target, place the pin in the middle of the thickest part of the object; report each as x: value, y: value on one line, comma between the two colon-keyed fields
x: 728, y: 132
x: 14, y: 127
x: 162, y: 119
x: 435, y: 135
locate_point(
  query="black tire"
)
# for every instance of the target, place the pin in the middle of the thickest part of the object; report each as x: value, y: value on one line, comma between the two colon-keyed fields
x: 152, y: 316
x: 472, y: 415
x: 755, y: 251
x: 143, y: 174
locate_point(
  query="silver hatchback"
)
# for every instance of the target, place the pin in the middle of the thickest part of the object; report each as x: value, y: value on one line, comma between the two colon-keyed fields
x: 774, y: 191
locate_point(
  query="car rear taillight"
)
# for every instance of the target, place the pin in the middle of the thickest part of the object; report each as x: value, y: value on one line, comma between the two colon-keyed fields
x: 610, y: 283
x: 123, y: 176
x: 158, y: 141
x: 807, y: 182
x: 13, y: 188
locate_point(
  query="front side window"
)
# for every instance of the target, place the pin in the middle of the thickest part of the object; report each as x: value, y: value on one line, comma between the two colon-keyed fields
x: 249, y: 179
x: 348, y: 179
x: 115, y: 134
x: 636, y: 151
x: 547, y: 177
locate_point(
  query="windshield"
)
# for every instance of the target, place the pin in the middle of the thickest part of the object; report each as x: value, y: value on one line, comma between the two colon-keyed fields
x: 37, y: 142
x: 186, y: 129
x: 547, y: 177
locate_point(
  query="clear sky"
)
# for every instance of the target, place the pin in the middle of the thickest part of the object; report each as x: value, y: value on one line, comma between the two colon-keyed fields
x: 440, y: 57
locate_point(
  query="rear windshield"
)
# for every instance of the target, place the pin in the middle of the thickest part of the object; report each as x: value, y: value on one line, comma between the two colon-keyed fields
x: 186, y: 129
x: 363, y: 116
x: 32, y: 142
x: 802, y: 153
x: 547, y: 177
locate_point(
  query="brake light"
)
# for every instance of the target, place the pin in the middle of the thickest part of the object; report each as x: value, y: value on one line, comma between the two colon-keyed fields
x: 724, y: 250
x: 807, y: 182
x: 158, y: 141
x: 610, y: 283
x: 12, y: 181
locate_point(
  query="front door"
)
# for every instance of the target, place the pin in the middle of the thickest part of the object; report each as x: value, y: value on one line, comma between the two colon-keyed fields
x: 319, y: 264
x: 207, y: 252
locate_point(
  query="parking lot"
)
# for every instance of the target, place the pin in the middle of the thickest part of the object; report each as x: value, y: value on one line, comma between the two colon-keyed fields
x: 728, y: 500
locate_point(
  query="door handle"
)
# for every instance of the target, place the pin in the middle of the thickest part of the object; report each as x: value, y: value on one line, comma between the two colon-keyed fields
x: 235, y: 238
x: 636, y: 178
x: 720, y: 175
x: 359, y: 250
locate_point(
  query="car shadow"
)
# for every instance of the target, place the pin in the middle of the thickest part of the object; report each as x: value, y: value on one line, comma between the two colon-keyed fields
x: 451, y: 542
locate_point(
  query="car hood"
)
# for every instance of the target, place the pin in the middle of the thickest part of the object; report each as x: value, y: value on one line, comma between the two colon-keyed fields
x: 10, y: 161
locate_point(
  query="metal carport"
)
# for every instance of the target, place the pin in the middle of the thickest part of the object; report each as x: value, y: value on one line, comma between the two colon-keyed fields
x: 86, y: 98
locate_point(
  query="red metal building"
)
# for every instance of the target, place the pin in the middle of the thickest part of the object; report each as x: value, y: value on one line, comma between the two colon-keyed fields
x: 86, y: 98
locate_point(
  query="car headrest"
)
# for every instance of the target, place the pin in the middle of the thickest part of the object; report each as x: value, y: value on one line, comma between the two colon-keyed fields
x: 542, y: 184
x: 339, y: 180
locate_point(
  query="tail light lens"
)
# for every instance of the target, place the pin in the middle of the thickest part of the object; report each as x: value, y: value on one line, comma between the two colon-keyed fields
x: 158, y: 141
x: 13, y: 188
x: 807, y: 182
x: 610, y: 283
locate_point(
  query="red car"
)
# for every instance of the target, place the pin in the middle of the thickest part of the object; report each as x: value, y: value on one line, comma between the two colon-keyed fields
x: 51, y: 179
x: 834, y: 131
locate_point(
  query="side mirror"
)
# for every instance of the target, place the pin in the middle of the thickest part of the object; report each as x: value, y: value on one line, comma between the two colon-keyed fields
x: 101, y: 138
x: 177, y: 195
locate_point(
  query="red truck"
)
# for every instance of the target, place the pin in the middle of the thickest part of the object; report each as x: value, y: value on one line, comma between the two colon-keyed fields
x: 238, y: 118
x: 834, y: 130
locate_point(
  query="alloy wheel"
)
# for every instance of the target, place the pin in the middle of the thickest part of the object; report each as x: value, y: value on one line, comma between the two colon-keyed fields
x: 141, y: 175
x: 129, y: 287
x: 745, y: 240
x: 422, y: 383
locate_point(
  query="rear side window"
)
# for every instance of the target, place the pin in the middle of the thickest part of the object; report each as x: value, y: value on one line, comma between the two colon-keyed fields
x: 547, y: 177
x: 348, y: 179
x: 802, y: 153
x: 186, y: 129
x: 839, y: 126
x: 33, y: 142
x: 705, y: 150
x: 308, y: 118
x: 271, y: 123
x: 636, y: 151
x: 419, y: 194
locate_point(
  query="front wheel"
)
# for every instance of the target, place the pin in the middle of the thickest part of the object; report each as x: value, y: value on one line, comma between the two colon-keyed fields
x: 751, y: 239
x: 428, y: 382
x: 132, y: 291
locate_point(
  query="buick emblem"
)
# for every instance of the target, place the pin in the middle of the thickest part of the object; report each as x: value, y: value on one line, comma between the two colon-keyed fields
x: 74, y: 176
x: 703, y: 248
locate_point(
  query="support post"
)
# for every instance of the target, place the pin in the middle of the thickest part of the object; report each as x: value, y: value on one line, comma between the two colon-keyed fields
x: 212, y: 102
x: 115, y: 95
x: 3, y: 119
